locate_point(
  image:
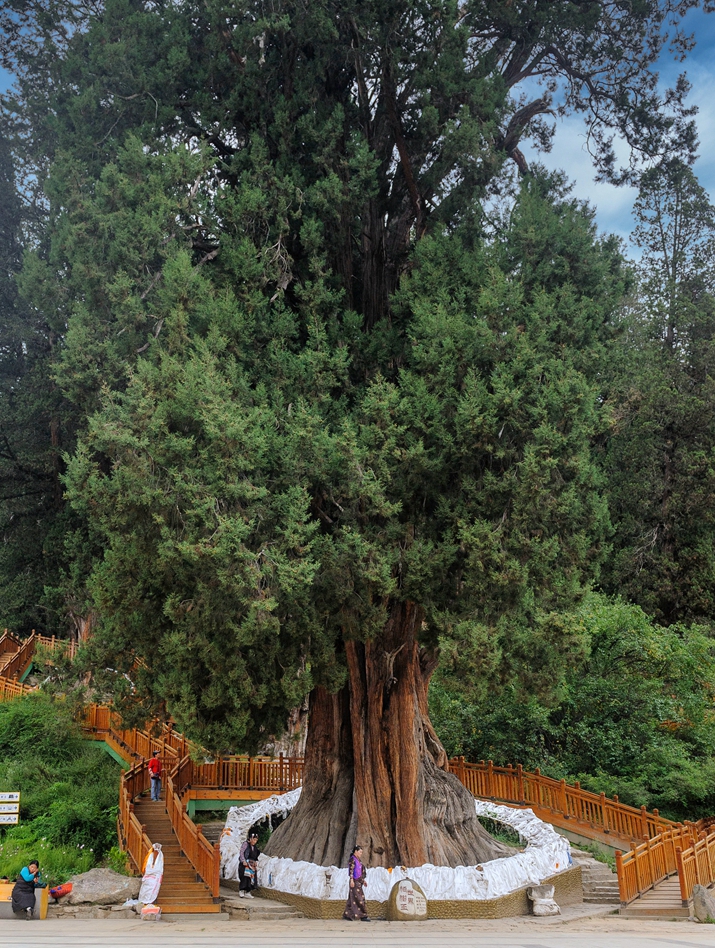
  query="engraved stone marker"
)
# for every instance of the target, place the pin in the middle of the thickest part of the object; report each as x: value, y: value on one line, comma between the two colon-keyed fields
x: 407, y: 902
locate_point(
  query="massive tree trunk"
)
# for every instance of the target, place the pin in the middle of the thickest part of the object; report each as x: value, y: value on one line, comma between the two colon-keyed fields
x: 375, y: 770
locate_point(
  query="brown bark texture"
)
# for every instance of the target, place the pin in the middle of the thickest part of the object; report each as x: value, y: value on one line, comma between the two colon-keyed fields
x: 375, y: 770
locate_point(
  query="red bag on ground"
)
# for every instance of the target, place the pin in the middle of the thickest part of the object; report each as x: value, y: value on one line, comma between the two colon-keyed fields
x: 60, y: 890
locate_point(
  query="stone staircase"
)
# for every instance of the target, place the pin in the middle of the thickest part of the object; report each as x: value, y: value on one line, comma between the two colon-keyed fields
x: 257, y: 909
x: 212, y: 831
x: 600, y: 885
x: 181, y: 892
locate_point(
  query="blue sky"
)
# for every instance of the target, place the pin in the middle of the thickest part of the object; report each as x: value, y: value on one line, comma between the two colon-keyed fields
x: 614, y: 205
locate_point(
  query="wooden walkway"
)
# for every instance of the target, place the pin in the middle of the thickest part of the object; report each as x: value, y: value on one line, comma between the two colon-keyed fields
x: 654, y: 876
x: 662, y: 901
x: 181, y: 891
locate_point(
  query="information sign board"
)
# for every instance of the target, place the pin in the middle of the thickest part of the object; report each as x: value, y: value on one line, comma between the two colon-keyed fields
x: 6, y: 818
x: 9, y: 797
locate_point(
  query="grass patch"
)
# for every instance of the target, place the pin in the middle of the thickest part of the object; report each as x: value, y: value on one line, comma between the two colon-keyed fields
x: 501, y: 831
x: 69, y: 791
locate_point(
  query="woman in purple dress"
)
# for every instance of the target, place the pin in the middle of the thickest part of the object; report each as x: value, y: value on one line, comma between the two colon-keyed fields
x: 356, y: 908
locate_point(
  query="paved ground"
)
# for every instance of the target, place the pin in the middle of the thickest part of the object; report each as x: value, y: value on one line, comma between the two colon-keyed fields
x: 606, y: 931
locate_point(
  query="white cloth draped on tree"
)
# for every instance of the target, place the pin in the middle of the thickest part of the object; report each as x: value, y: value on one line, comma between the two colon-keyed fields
x: 152, y: 876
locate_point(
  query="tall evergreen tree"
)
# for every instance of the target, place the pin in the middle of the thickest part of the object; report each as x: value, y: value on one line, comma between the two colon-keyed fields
x: 661, y: 455
x: 31, y: 524
x: 325, y: 429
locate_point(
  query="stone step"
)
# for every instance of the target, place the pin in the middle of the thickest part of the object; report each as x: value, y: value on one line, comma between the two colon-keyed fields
x: 655, y: 911
x: 260, y: 908
x: 191, y: 908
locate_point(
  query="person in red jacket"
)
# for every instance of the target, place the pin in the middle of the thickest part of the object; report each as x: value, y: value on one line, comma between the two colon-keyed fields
x: 155, y: 768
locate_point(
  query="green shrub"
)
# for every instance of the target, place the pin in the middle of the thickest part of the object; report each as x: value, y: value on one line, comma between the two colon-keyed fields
x: 68, y: 786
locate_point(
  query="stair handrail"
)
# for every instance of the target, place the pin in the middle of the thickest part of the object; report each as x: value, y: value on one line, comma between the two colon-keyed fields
x: 133, y: 837
x: 696, y: 864
x: 20, y: 660
x: 593, y: 815
x: 203, y: 855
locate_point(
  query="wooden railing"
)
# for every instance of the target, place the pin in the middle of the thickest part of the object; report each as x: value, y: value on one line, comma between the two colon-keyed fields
x: 132, y: 835
x: 204, y: 856
x: 70, y: 647
x: 696, y: 864
x: 651, y: 861
x: 568, y: 805
x: 243, y: 773
x: 667, y: 847
x: 8, y: 643
x: 10, y: 689
x: 20, y: 660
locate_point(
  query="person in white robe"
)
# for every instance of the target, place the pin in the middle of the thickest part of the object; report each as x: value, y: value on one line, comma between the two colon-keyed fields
x: 152, y: 876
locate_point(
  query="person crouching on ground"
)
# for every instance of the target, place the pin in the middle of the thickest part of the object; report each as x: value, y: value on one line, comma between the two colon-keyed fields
x: 23, y: 893
x: 154, y: 766
x: 248, y: 866
x: 355, y: 907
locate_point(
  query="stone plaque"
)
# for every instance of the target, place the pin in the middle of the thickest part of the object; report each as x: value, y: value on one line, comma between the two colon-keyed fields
x: 407, y: 902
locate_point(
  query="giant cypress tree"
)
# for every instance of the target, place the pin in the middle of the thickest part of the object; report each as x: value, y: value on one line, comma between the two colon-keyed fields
x: 329, y: 422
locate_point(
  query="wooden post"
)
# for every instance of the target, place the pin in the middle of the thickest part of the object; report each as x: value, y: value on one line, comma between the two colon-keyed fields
x: 216, y: 875
x: 520, y: 784
x: 604, y: 814
x: 651, y: 870
x: 490, y: 775
x: 644, y: 821
x: 621, y: 878
x: 684, y: 896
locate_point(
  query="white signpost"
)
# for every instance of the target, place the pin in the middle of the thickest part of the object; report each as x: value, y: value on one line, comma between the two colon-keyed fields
x: 9, y: 808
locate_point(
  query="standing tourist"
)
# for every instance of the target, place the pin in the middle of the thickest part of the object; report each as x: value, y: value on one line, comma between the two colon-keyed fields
x: 155, y: 768
x: 152, y: 875
x: 357, y: 874
x: 23, y: 893
x: 248, y: 866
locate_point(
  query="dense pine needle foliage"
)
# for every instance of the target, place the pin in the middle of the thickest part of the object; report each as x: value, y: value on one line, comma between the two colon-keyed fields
x: 291, y: 334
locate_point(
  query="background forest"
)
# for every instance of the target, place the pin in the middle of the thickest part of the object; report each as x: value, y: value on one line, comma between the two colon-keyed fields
x: 290, y: 330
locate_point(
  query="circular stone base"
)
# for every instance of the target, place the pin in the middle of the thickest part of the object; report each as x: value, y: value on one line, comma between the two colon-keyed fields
x: 568, y: 890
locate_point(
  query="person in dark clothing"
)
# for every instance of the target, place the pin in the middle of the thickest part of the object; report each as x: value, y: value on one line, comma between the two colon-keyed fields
x: 23, y: 893
x: 248, y: 866
x: 356, y: 907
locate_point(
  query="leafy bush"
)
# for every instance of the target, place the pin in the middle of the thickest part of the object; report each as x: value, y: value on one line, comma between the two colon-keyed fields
x: 635, y: 718
x: 68, y: 786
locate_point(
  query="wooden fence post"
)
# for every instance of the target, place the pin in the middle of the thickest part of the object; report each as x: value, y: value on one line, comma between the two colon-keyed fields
x: 604, y: 814
x: 621, y: 877
x: 651, y: 870
x: 681, y: 875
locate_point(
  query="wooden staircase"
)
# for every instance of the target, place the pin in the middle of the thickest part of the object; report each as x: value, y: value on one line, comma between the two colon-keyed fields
x: 648, y: 874
x: 662, y: 901
x: 181, y: 893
